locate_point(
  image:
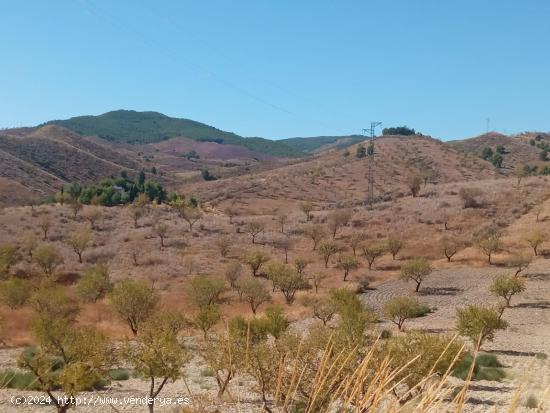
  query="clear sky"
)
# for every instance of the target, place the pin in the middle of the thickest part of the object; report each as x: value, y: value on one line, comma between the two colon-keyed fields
x: 282, y: 68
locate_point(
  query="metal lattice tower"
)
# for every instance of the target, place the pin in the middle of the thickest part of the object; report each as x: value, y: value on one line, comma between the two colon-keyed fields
x: 370, y: 161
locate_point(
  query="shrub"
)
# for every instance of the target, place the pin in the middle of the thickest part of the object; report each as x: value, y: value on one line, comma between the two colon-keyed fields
x: 94, y: 284
x: 471, y: 197
x: 486, y: 367
x: 15, y: 292
x: 11, y: 379
x: 119, y: 374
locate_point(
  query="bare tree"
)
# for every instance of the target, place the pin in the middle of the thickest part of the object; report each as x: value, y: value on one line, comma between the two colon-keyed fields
x: 254, y: 229
x: 306, y: 208
x: 338, y: 219
x: 316, y: 232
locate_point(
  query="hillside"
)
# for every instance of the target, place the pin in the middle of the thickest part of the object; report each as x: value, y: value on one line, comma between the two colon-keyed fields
x: 127, y: 126
x: 37, y: 162
x: 332, y: 177
x: 319, y: 143
x: 519, y: 150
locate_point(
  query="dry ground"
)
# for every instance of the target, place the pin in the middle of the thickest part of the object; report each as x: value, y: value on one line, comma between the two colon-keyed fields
x: 418, y: 220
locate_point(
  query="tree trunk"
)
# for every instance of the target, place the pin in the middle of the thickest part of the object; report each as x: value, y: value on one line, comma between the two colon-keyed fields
x: 417, y: 286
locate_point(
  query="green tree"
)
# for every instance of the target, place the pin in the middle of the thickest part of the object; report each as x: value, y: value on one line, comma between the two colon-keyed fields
x: 400, y: 309
x: 307, y: 208
x: 204, y: 290
x: 254, y: 292
x: 486, y: 153
x: 535, y: 239
x: 489, y: 243
x: 68, y: 358
x: 79, y: 241
x: 394, y: 244
x: 479, y: 323
x: 371, y: 252
x: 156, y: 353
x: 134, y: 302
x: 225, y: 355
x: 347, y: 263
x: 507, y: 286
x: 48, y: 259
x: 15, y: 292
x: 327, y: 250
x: 416, y: 270
x: 497, y: 159
x: 287, y: 280
x: 255, y: 260
x: 206, y: 318
x: 94, y: 284
x: 9, y: 256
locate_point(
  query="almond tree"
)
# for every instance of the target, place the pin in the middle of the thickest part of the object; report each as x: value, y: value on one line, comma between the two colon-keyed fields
x: 254, y: 229
x: 134, y: 302
x: 255, y: 260
x: 490, y: 243
x: 355, y: 241
x: 156, y: 353
x: 535, y: 240
x: 161, y: 229
x: 45, y: 224
x: 338, y: 219
x: 48, y: 259
x: 479, y: 323
x: 306, y: 208
x: 371, y: 252
x: 316, y: 233
x: 416, y: 270
x: 347, y: 263
x: 254, y: 292
x: 79, y: 242
x: 327, y: 250
x: 92, y: 214
x: 450, y: 247
x: 394, y: 244
x: 506, y: 287
x: 400, y: 309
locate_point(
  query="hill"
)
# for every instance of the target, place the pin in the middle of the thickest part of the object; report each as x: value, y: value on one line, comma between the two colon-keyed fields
x: 320, y: 143
x: 519, y: 150
x: 128, y: 126
x: 37, y: 162
x: 331, y: 177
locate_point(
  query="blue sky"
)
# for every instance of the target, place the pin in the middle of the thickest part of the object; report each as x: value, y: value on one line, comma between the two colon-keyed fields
x: 282, y: 68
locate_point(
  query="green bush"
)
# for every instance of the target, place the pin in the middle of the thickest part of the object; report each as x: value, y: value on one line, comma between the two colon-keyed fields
x: 11, y: 379
x: 119, y: 374
x: 486, y: 367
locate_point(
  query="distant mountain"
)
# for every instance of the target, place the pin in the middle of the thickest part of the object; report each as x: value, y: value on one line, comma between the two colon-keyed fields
x: 128, y: 126
x: 320, y: 143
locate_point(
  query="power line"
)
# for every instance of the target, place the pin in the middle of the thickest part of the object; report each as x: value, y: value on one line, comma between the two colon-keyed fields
x: 115, y: 22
